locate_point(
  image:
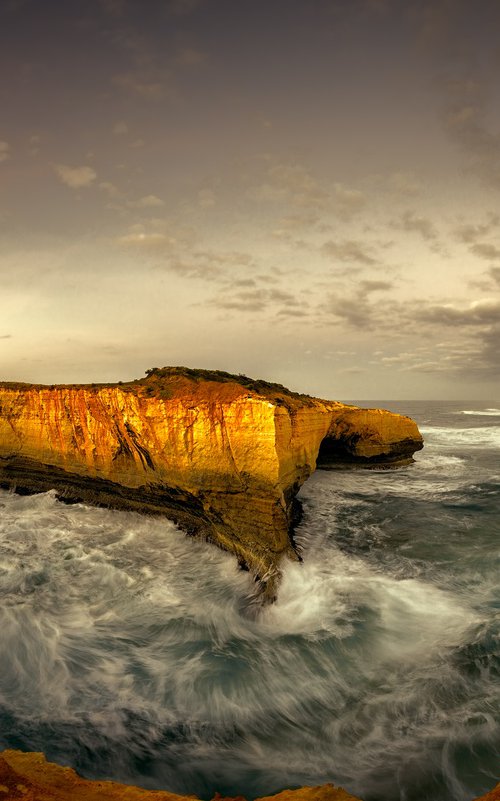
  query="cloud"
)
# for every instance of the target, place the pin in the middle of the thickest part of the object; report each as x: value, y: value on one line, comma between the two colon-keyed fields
x: 348, y: 202
x: 172, y: 250
x: 470, y: 233
x: 75, y: 177
x: 146, y: 202
x: 479, y: 312
x: 206, y: 198
x: 355, y: 307
x: 292, y: 183
x: 478, y: 327
x: 355, y: 311
x: 4, y: 150
x: 110, y: 189
x: 5, y: 336
x: 485, y: 250
x: 246, y: 282
x: 210, y: 266
x: 495, y: 274
x: 288, y: 227
x: 421, y: 225
x: 225, y: 258
x: 147, y: 240
x: 191, y: 268
x: 375, y: 286
x: 257, y: 300
x: 347, y: 251
x: 404, y: 183
x: 469, y: 334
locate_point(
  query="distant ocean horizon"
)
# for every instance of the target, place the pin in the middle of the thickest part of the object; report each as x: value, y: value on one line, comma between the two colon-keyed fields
x: 134, y: 653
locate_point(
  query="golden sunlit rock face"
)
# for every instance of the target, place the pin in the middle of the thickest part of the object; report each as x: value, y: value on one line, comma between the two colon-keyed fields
x: 31, y: 778
x: 223, y: 456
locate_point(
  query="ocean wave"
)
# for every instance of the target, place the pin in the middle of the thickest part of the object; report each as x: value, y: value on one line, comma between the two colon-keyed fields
x: 438, y: 463
x: 465, y: 437
x: 482, y: 412
x: 125, y: 643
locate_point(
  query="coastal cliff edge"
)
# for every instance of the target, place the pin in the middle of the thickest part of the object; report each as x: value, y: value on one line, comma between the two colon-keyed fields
x: 223, y: 456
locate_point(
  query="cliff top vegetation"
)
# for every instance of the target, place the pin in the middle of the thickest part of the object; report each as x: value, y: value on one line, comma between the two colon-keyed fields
x: 167, y: 382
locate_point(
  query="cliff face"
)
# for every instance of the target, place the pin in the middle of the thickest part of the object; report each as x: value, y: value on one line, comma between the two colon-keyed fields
x: 222, y: 456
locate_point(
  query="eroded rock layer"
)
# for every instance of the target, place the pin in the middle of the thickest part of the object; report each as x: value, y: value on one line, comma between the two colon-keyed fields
x: 223, y: 456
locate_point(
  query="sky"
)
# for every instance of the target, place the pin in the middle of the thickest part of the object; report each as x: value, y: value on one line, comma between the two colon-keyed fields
x: 305, y: 191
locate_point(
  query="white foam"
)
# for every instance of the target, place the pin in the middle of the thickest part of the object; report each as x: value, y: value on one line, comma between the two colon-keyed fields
x: 482, y: 413
x: 330, y: 592
x: 465, y: 437
x: 121, y: 630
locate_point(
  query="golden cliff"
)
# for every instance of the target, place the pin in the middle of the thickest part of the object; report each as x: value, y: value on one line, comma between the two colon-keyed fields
x: 223, y: 456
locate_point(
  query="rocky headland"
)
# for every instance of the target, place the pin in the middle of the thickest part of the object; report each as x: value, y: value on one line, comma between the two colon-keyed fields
x: 223, y: 456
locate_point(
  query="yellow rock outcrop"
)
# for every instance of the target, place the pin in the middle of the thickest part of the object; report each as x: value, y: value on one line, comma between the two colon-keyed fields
x: 223, y: 456
x: 28, y: 776
x: 31, y: 778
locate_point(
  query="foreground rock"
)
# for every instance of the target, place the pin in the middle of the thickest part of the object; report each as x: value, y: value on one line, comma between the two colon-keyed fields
x: 493, y: 795
x: 30, y: 778
x: 223, y: 456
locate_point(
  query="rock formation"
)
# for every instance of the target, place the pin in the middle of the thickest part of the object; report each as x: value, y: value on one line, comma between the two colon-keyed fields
x: 223, y: 456
x: 28, y: 777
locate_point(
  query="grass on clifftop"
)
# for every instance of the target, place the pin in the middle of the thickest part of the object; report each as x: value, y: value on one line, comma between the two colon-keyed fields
x: 161, y: 376
x: 160, y: 381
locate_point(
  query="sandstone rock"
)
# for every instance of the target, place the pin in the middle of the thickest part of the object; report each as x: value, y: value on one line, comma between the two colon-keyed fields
x: 28, y: 776
x: 493, y: 795
x: 325, y: 792
x: 368, y: 437
x: 223, y: 456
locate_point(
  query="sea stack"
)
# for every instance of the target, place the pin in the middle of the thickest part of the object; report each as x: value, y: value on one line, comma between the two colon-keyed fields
x: 222, y: 455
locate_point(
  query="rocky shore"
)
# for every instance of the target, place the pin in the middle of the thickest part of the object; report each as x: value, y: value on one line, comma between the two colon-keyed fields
x: 223, y: 456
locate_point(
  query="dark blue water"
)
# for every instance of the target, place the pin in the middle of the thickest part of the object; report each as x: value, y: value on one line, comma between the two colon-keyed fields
x: 128, y: 650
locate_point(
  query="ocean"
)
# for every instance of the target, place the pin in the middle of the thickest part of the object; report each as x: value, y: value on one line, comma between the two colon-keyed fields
x: 132, y: 652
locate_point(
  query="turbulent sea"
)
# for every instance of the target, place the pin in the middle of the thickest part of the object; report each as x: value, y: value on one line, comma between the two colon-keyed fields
x: 132, y: 652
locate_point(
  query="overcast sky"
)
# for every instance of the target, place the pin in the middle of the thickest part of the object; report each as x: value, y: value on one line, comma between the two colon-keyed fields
x: 300, y: 190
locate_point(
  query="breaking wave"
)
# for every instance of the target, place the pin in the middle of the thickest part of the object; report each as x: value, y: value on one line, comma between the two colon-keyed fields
x: 488, y: 436
x: 482, y: 413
